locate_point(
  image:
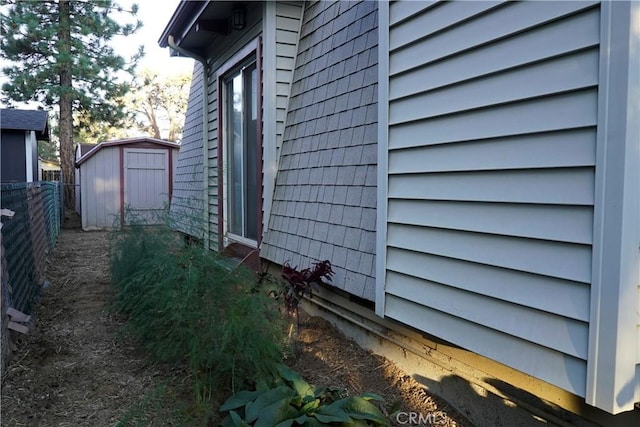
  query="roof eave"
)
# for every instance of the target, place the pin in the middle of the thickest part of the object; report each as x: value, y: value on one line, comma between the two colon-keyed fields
x: 184, y: 17
x: 83, y: 158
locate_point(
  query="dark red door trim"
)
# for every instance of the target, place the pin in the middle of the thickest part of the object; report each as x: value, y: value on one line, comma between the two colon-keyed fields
x: 253, y: 47
x: 259, y: 147
x: 121, y: 154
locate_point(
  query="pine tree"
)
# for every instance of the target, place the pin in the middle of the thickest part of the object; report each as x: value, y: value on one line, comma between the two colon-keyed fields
x: 61, y: 56
x: 158, y: 99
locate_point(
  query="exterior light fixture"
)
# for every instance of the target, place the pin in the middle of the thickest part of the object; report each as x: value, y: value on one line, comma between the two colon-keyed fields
x: 238, y: 18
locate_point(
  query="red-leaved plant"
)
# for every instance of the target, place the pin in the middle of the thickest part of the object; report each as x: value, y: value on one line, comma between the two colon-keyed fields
x: 299, y: 283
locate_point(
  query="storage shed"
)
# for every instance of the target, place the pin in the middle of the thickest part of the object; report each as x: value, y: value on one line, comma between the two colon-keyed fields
x: 20, y: 132
x: 125, y: 180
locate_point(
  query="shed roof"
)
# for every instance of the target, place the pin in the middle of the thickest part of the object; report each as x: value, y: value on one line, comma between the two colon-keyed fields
x: 85, y: 148
x: 129, y: 141
x: 15, y: 119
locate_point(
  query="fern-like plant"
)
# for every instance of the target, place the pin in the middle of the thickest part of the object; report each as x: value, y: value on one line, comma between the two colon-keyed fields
x: 189, y: 305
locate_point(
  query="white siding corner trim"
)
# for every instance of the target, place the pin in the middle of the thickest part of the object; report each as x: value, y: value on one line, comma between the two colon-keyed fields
x: 29, y: 143
x: 383, y: 164
x: 269, y: 114
x: 612, y: 384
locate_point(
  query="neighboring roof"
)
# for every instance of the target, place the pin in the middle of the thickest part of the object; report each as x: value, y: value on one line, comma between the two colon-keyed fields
x: 85, y: 148
x: 141, y: 140
x: 15, y: 119
x: 48, y: 164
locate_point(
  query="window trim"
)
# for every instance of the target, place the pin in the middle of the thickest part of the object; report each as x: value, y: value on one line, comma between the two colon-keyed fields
x: 254, y: 47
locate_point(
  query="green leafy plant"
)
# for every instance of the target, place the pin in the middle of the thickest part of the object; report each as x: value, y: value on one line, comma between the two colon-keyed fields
x: 188, y: 305
x: 292, y: 401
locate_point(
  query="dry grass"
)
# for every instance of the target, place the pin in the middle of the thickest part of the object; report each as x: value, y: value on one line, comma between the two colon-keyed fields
x: 77, y: 369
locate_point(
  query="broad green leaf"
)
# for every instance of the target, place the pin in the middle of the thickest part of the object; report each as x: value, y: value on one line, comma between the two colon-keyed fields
x: 239, y: 399
x: 287, y: 373
x: 338, y: 417
x: 254, y: 409
x: 333, y: 413
x: 299, y: 384
x: 299, y: 421
x: 227, y: 422
x: 372, y: 396
x: 312, y: 422
x: 356, y: 423
x: 237, y: 421
x: 285, y: 423
x: 358, y: 408
x: 310, y: 405
x: 276, y: 413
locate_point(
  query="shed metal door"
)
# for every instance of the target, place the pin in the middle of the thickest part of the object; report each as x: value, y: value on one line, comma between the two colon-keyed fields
x: 146, y: 189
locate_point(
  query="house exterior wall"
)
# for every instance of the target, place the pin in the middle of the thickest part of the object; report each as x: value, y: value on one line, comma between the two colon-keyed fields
x: 488, y: 140
x: 325, y: 194
x: 14, y: 161
x: 188, y: 193
x: 287, y: 27
x: 218, y: 54
x: 100, y: 189
x: 281, y: 35
x: 477, y: 179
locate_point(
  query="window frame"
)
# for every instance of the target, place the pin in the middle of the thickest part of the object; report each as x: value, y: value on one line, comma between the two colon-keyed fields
x: 251, y: 53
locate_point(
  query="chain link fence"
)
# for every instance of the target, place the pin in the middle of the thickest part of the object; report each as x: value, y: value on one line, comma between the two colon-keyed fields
x: 26, y: 240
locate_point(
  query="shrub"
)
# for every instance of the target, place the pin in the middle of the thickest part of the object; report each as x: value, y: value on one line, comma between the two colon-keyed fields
x: 297, y: 284
x: 187, y: 304
x: 292, y: 401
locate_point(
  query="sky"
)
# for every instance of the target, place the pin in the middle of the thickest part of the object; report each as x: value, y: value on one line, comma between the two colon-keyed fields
x: 155, y: 15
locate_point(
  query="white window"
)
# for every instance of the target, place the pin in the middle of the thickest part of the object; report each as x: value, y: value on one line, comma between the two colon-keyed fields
x: 241, y: 151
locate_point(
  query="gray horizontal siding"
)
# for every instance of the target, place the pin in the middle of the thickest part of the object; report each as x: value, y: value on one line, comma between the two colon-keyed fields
x: 288, y: 17
x: 549, y: 365
x: 212, y: 203
x: 187, y: 200
x: 325, y: 194
x: 573, y: 224
x: 220, y: 52
x: 490, y: 185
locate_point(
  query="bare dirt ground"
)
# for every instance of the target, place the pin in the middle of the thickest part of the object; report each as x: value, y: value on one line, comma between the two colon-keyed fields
x: 77, y: 368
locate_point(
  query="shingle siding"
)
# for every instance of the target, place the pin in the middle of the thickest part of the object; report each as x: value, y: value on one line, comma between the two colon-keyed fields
x: 324, y: 200
x: 186, y: 204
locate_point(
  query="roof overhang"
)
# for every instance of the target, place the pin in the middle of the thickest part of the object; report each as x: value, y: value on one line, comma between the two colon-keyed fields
x: 196, y: 24
x: 26, y: 120
x: 120, y: 142
x: 44, y: 135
